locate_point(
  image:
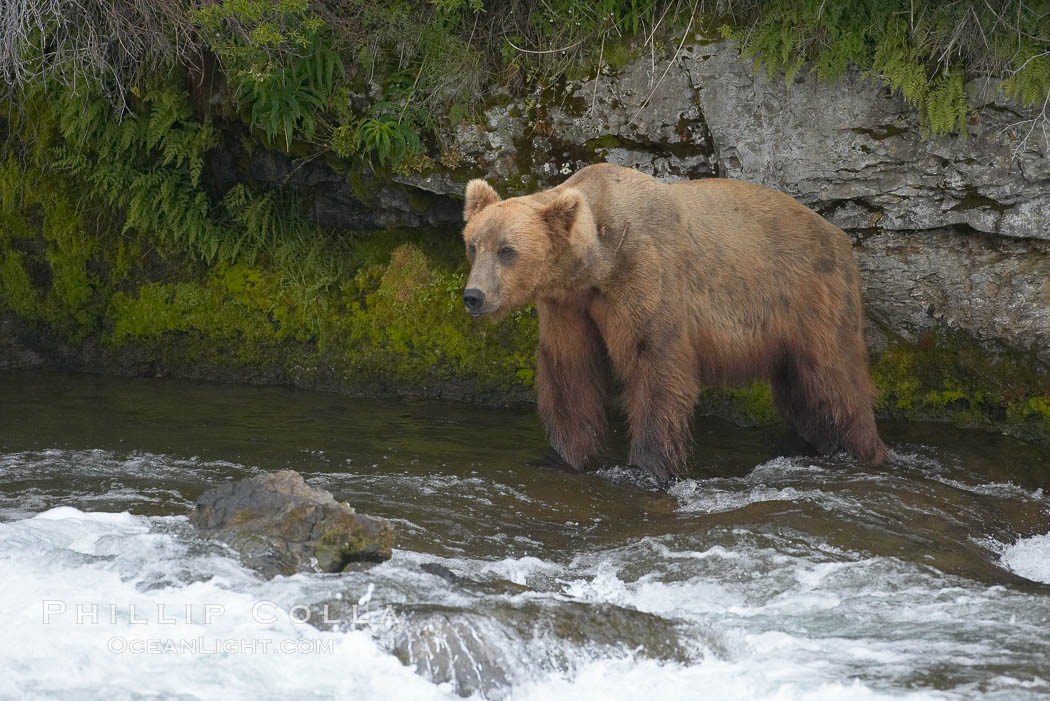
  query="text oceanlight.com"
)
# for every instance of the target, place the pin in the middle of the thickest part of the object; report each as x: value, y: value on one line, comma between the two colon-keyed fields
x: 119, y: 645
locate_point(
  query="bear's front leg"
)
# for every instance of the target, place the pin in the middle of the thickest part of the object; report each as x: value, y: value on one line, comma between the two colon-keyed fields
x: 571, y: 382
x: 660, y: 393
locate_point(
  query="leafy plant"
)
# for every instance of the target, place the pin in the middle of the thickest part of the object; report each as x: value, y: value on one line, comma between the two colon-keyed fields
x: 1029, y: 74
x: 288, y: 99
x: 145, y: 170
x: 279, y: 54
x: 453, y: 10
x: 391, y: 141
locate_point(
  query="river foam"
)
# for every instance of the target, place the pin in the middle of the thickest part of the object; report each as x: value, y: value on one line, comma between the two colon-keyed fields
x: 100, y: 602
x: 1029, y: 558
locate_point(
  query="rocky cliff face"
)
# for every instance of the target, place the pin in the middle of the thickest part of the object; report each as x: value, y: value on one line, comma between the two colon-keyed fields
x: 950, y: 232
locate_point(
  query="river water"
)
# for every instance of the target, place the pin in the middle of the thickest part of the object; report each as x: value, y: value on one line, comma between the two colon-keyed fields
x: 762, y: 576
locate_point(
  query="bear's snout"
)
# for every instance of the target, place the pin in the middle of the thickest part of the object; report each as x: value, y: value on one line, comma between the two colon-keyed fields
x: 474, y: 299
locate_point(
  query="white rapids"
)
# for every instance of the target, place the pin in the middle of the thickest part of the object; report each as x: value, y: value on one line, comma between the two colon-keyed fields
x: 111, y: 605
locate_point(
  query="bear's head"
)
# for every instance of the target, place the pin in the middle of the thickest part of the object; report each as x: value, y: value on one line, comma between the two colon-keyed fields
x: 521, y: 245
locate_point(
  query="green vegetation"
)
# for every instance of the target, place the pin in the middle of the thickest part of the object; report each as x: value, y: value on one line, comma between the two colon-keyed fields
x: 380, y: 76
x: 281, y: 59
x: 110, y: 230
x: 394, y: 323
x: 949, y: 377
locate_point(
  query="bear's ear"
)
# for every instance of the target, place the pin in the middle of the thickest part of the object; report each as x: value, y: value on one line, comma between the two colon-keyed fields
x: 561, y: 214
x: 479, y: 196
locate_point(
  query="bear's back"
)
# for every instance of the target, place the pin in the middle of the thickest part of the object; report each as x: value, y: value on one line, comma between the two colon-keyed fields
x: 712, y: 211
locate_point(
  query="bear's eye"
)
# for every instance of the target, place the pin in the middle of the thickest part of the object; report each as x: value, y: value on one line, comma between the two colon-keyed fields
x: 471, y: 251
x: 506, y: 254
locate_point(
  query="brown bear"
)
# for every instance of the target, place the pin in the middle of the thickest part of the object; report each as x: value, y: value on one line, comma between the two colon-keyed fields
x: 673, y: 284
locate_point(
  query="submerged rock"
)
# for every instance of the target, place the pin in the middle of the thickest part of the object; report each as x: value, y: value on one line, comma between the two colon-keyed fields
x: 497, y: 642
x: 507, y: 634
x: 281, y: 525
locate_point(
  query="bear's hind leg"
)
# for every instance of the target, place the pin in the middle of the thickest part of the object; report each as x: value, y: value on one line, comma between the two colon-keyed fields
x: 857, y: 428
x: 829, y: 407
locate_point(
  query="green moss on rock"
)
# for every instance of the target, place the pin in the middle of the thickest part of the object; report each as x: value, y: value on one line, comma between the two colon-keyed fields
x: 396, y: 324
x: 412, y: 326
x: 951, y: 377
x: 203, y: 308
x: 1030, y: 416
x: 751, y: 405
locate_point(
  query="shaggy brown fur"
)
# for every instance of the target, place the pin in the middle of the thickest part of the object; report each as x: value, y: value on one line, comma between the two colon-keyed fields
x: 714, y: 281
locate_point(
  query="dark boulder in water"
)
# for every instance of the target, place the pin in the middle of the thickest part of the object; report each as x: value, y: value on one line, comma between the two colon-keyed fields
x: 281, y: 525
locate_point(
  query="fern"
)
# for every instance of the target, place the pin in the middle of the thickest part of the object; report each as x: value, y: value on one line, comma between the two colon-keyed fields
x: 945, y: 104
x: 893, y: 63
x: 1029, y: 82
x: 149, y: 163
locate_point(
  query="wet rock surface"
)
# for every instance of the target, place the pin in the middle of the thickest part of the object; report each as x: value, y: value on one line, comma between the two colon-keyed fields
x: 632, y: 118
x: 479, y: 650
x: 850, y: 149
x: 339, y: 199
x: 995, y: 289
x: 853, y: 142
x: 281, y: 525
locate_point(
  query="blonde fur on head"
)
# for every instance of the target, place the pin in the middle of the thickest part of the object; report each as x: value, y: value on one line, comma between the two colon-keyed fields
x: 479, y: 195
